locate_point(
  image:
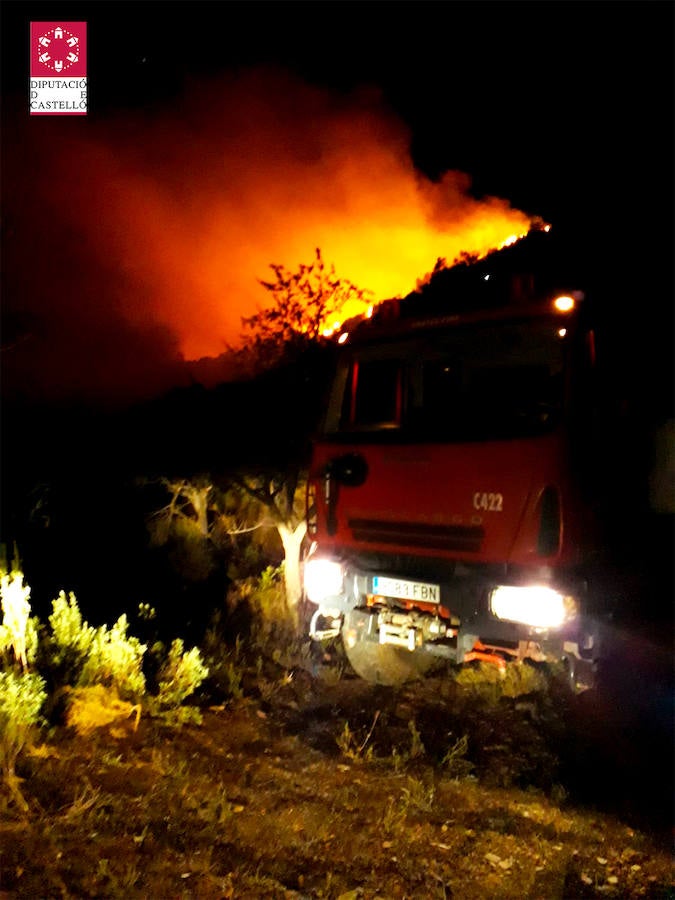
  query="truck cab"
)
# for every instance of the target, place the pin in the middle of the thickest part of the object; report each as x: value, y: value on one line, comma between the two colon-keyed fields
x: 449, y: 514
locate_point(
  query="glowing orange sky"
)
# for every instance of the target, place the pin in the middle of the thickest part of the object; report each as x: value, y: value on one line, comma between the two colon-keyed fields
x: 139, y: 238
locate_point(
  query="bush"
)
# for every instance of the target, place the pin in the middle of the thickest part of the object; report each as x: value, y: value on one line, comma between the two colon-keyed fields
x: 18, y: 631
x: 22, y: 693
x: 69, y: 643
x: 261, y: 603
x: 179, y: 677
x: 487, y: 683
x: 99, y: 670
x: 80, y: 655
x: 21, y: 699
x: 115, y: 660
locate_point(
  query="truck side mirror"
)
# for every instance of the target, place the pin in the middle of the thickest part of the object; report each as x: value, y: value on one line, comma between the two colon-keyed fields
x: 350, y: 469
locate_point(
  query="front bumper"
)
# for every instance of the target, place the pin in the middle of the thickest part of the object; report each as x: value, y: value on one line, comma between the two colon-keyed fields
x: 460, y: 624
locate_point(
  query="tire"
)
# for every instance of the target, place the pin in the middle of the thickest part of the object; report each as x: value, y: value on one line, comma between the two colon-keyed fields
x: 381, y: 664
x: 580, y: 675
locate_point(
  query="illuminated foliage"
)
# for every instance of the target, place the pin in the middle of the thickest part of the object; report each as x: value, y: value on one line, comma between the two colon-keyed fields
x: 16, y: 630
x: 21, y: 699
x: 180, y: 675
x: 70, y: 639
x: 489, y: 684
x: 22, y: 694
x: 115, y: 660
x: 81, y: 655
x: 96, y: 706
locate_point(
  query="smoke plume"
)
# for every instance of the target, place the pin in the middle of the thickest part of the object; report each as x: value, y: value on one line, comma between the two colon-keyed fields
x: 137, y: 241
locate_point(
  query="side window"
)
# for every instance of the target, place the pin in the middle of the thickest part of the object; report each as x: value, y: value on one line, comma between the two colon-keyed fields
x: 376, y: 395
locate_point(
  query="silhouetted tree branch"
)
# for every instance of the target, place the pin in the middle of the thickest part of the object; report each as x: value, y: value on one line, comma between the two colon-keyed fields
x: 306, y: 304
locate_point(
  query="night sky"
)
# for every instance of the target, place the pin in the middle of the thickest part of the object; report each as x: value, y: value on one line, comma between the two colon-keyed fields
x: 222, y: 137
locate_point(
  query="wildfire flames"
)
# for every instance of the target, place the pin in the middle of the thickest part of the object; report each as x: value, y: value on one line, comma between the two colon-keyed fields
x: 184, y: 210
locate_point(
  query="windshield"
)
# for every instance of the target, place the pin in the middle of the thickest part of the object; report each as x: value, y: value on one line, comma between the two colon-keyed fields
x: 474, y: 382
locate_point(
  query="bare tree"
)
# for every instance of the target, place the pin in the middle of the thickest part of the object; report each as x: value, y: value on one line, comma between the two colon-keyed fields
x: 286, y: 342
x: 306, y: 304
x: 281, y: 498
x: 189, y: 501
x: 248, y: 503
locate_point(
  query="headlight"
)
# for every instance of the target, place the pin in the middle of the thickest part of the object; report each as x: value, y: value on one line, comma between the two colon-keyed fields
x: 323, y: 579
x: 539, y: 607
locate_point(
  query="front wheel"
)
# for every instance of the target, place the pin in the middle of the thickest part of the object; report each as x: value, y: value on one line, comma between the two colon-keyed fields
x: 382, y: 664
x: 580, y: 674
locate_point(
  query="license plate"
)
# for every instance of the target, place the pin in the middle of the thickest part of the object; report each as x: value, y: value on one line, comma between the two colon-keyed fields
x: 407, y: 590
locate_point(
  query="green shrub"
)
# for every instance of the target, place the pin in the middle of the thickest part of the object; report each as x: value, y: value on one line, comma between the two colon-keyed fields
x: 81, y: 655
x: 70, y: 640
x: 22, y: 693
x: 522, y: 678
x: 115, y: 660
x: 489, y: 684
x: 273, y: 625
x: 21, y: 699
x: 181, y: 674
x: 98, y: 670
x: 16, y: 631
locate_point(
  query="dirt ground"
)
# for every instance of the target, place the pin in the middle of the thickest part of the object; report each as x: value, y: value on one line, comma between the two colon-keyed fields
x: 322, y: 786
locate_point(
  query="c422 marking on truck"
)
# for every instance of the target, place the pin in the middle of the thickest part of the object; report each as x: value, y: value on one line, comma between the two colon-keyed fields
x: 488, y: 501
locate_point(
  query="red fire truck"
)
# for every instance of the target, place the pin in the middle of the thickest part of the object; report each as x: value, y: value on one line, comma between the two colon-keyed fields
x: 449, y: 512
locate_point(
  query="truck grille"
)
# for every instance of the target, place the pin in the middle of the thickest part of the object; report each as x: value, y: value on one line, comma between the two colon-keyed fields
x: 418, y: 534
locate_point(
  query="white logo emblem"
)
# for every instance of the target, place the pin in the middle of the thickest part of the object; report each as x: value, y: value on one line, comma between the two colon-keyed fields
x: 58, y: 49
